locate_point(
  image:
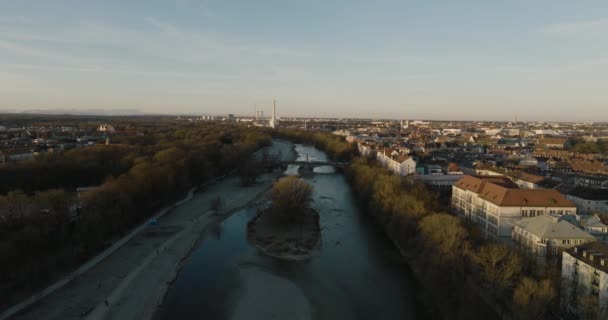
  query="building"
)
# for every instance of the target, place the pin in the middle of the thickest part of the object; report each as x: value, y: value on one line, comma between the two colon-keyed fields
x: 397, y: 163
x: 16, y: 155
x: 585, y: 279
x: 440, y: 182
x: 528, y: 181
x: 589, y: 201
x: 591, y: 181
x: 590, y: 167
x: 496, y: 203
x: 365, y: 150
x: 546, y: 236
x: 594, y: 226
x: 553, y: 142
x: 106, y: 128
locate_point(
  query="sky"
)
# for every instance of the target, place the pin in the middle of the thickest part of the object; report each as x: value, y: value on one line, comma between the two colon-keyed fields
x: 461, y: 60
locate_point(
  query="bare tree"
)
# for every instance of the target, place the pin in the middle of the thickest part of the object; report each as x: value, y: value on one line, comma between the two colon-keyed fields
x: 500, y: 265
x: 290, y: 196
x: 533, y: 299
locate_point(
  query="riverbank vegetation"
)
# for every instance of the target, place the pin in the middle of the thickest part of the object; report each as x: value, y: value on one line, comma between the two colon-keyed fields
x: 458, y: 267
x: 47, y: 229
x: 289, y: 228
x: 456, y: 264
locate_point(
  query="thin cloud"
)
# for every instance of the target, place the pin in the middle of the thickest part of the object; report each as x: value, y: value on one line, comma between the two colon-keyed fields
x: 570, y: 28
x: 91, y: 46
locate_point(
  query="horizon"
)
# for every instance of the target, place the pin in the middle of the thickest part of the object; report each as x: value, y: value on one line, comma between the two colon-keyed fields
x: 108, y: 113
x: 541, y: 61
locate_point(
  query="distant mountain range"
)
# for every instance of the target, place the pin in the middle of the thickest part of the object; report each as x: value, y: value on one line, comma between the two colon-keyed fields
x: 81, y: 112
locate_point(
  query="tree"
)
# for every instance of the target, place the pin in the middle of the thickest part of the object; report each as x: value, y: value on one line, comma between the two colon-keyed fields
x: 500, y: 265
x: 249, y: 171
x: 533, y: 299
x: 290, y: 196
x: 17, y: 204
x: 446, y: 234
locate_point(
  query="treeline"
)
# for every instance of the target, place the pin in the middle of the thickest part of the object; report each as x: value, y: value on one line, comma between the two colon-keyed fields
x: 71, y: 169
x: 592, y: 147
x: 578, y: 144
x: 44, y: 233
x: 451, y: 256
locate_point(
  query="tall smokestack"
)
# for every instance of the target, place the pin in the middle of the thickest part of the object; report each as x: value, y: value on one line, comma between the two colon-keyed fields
x: 274, y: 109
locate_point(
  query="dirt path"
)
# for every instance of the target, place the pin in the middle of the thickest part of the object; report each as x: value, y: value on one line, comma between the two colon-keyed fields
x: 131, y: 282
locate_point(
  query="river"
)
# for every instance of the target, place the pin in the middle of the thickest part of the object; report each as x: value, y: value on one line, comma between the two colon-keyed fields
x: 358, y: 273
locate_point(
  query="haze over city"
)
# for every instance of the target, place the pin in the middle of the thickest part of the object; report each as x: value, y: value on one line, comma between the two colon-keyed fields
x: 311, y: 160
x: 540, y: 60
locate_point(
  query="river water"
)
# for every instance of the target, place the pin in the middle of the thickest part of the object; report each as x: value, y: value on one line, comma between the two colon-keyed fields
x: 357, y: 274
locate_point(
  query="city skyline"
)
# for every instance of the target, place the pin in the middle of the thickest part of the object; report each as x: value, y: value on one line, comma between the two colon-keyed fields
x: 534, y: 61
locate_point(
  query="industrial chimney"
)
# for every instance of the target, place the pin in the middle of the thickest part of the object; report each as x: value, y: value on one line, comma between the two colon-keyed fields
x: 273, y: 122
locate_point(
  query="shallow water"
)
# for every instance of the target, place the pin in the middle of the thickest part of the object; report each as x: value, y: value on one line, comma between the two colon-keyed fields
x: 357, y: 275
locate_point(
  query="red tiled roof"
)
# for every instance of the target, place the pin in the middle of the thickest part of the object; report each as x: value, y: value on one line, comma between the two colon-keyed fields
x: 503, y: 192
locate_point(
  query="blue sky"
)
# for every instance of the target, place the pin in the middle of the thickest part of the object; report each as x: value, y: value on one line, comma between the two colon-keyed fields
x: 537, y: 60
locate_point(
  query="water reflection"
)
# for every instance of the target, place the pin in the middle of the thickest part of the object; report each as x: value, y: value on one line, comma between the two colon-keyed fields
x: 292, y: 170
x: 357, y: 274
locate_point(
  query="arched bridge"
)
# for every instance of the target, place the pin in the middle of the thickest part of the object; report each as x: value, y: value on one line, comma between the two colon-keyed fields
x: 314, y: 164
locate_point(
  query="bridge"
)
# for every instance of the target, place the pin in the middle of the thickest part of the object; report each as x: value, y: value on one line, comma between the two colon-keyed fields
x: 305, y: 164
x: 313, y: 164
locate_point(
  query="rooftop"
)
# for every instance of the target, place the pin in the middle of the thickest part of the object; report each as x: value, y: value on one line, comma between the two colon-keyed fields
x: 552, y: 227
x: 592, y: 253
x: 503, y: 192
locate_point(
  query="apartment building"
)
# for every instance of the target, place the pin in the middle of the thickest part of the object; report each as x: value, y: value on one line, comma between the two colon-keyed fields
x: 495, y: 203
x: 547, y: 235
x: 589, y: 201
x: 396, y: 162
x: 585, y: 279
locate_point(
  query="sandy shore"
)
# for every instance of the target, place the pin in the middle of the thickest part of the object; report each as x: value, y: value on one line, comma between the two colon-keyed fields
x: 132, y: 282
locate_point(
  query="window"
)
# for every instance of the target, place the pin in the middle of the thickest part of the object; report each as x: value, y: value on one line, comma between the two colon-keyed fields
x: 532, y: 213
x: 524, y: 213
x: 492, y: 219
x: 565, y: 241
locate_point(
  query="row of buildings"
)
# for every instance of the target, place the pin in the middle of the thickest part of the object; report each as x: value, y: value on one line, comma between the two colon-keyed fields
x: 23, y: 143
x: 544, y: 224
x: 522, y: 186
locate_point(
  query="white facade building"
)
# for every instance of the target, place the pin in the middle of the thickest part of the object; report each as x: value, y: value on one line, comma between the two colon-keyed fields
x: 585, y: 278
x: 443, y: 181
x: 589, y: 201
x: 495, y: 204
x: 546, y: 236
x: 397, y: 163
